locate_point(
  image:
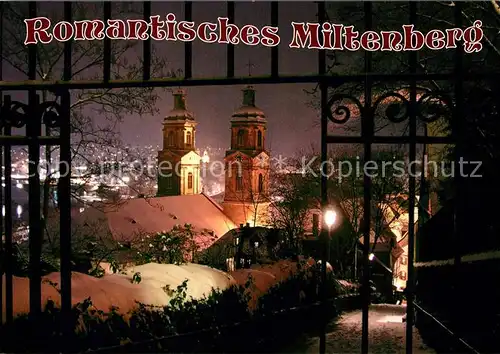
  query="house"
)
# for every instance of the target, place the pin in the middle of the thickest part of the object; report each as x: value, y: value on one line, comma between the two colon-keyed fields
x: 390, y: 247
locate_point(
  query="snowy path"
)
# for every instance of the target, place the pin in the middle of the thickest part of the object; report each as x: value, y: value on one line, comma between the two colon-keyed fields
x: 386, y: 334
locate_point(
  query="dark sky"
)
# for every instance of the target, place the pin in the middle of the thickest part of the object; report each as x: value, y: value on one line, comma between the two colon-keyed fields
x: 292, y: 126
x: 291, y: 123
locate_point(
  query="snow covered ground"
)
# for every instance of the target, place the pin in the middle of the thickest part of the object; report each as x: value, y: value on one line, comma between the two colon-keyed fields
x: 386, y: 334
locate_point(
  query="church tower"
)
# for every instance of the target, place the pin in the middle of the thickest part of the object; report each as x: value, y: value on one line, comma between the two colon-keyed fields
x: 247, y: 165
x: 178, y: 162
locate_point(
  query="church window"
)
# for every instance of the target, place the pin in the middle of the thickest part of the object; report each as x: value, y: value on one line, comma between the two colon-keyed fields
x: 171, y: 139
x: 190, y: 180
x: 241, y: 134
x: 189, y: 139
x: 239, y: 183
x: 259, y: 139
x: 261, y: 183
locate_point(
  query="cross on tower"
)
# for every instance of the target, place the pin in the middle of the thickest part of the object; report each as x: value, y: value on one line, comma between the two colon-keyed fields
x: 250, y: 65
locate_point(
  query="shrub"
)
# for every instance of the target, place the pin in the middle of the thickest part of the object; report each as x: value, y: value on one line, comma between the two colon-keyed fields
x: 221, y: 322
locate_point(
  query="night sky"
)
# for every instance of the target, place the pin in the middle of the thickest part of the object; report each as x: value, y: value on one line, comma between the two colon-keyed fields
x: 292, y: 124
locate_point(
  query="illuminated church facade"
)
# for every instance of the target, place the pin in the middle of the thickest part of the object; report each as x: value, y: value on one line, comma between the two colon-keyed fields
x: 246, y: 162
x: 178, y: 161
x: 247, y: 165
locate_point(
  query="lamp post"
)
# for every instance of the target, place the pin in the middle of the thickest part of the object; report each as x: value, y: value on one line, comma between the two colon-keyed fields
x: 329, y: 218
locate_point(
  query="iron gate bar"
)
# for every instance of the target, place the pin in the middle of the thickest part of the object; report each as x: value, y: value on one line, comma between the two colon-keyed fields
x: 9, y: 296
x: 367, y: 132
x: 146, y: 50
x: 33, y: 128
x: 412, y: 58
x: 55, y: 85
x: 2, y: 255
x: 106, y: 68
x: 34, y: 140
x: 323, y: 182
x: 230, y: 47
x: 188, y: 46
x: 458, y: 134
x: 275, y: 49
x: 64, y: 186
x: 343, y: 139
x: 19, y: 140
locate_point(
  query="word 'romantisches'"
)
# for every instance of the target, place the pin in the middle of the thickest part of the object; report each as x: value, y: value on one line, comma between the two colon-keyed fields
x: 327, y: 36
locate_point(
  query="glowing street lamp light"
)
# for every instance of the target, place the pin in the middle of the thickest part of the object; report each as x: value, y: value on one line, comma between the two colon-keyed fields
x: 330, y: 218
x: 371, y: 257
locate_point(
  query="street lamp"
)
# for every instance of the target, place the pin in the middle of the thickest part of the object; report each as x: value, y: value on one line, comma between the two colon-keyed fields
x: 329, y: 219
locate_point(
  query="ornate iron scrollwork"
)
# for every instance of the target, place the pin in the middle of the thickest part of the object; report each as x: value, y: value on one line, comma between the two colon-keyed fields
x: 396, y: 112
x: 51, y: 114
x: 336, y: 108
x: 432, y: 106
x: 15, y: 114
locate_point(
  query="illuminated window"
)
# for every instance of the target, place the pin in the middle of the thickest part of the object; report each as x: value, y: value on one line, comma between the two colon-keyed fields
x: 188, y: 139
x: 261, y: 183
x: 402, y: 275
x: 190, y: 180
x: 404, y: 260
x: 239, y: 183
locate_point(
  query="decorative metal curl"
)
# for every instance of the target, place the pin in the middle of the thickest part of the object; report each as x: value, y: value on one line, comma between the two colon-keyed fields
x: 51, y: 114
x: 335, y: 108
x: 396, y: 112
x: 15, y: 114
x: 432, y: 106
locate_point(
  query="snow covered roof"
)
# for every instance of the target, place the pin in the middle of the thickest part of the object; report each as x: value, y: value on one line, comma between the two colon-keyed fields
x: 131, y: 217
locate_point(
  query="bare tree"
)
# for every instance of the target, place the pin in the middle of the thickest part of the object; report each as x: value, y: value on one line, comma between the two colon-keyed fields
x: 95, y: 113
x: 296, y: 191
x: 430, y: 15
x: 292, y: 198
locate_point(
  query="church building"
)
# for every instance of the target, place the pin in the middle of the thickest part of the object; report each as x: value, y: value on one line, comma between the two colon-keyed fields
x: 178, y: 162
x: 180, y: 199
x: 246, y: 197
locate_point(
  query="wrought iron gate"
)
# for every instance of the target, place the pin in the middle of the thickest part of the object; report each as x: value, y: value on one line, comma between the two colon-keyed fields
x: 55, y: 115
